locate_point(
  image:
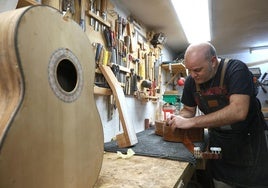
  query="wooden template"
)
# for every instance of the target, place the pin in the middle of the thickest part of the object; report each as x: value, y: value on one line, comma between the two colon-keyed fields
x: 128, y: 137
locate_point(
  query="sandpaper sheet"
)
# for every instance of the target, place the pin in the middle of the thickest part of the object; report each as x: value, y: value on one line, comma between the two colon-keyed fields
x: 150, y: 144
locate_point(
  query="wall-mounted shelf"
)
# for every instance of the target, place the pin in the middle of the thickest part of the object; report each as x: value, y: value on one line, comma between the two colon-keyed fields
x: 173, y: 71
x: 152, y: 98
x: 175, y: 68
x: 102, y: 91
x: 98, y: 18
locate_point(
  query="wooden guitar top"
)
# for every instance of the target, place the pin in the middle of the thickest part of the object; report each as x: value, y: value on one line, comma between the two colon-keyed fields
x: 50, y: 130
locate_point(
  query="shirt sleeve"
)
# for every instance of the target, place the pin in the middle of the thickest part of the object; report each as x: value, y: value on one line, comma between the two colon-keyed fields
x: 239, y: 79
x: 188, y: 92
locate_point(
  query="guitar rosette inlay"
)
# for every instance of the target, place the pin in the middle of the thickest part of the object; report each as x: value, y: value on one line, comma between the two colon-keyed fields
x: 65, y: 75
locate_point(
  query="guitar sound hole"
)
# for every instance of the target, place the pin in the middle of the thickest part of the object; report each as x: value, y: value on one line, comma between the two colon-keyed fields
x: 67, y: 75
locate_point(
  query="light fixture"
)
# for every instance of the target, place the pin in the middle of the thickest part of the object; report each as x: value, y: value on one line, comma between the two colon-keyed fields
x: 259, y: 50
x: 194, y: 18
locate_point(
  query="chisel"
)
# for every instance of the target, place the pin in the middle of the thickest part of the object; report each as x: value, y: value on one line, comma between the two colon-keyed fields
x: 98, y: 7
x: 92, y: 11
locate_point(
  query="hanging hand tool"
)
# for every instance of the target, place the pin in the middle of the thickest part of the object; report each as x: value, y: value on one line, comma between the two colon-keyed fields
x: 68, y: 5
x: 113, y: 58
x: 119, y: 27
x: 104, y: 10
x: 124, y: 24
x: 82, y: 16
x: 115, y: 68
x: 133, y: 83
x: 151, y: 66
x: 98, y: 7
x: 110, y: 104
x: 126, y: 88
x: 105, y: 57
x: 92, y: 10
x: 146, y: 66
x: 130, y: 33
x: 108, y: 37
x: 127, y: 42
x: 98, y: 53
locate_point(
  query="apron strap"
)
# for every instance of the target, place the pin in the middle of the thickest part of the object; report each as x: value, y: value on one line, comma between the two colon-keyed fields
x: 223, y: 70
x: 197, y: 88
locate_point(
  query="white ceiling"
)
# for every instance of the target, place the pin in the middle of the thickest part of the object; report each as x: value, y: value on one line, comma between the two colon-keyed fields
x: 236, y: 25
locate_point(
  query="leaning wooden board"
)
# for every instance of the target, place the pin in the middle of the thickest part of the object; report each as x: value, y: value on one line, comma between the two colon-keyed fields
x: 128, y: 137
x: 143, y: 172
x: 50, y: 130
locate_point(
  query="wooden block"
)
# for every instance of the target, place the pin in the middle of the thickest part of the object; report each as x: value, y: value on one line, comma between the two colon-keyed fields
x: 194, y: 135
x: 123, y: 140
x: 159, y: 127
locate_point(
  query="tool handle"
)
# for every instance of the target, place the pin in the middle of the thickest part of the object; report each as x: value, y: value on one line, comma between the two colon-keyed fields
x: 98, y: 53
x: 98, y: 6
x: 108, y: 37
x: 103, y: 6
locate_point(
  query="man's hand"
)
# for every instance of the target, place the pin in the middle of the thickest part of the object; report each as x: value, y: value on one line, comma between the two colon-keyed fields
x: 179, y: 122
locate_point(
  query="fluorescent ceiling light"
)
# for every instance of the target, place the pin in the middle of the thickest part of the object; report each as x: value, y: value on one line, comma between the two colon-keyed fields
x: 259, y: 50
x: 194, y: 18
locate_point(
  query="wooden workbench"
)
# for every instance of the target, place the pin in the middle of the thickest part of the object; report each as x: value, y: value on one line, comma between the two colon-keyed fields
x: 143, y: 172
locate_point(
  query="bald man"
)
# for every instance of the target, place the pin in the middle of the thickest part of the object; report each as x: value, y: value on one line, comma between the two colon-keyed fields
x: 224, y: 91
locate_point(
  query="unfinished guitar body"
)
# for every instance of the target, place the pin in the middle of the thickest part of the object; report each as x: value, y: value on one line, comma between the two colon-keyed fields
x: 50, y: 131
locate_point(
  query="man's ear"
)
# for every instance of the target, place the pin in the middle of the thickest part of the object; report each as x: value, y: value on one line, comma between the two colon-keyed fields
x: 214, y: 61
